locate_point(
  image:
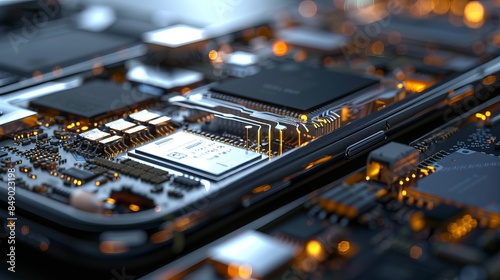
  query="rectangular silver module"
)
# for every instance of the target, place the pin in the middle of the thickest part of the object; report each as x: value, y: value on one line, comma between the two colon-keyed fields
x: 94, y: 134
x: 196, y: 152
x: 120, y: 125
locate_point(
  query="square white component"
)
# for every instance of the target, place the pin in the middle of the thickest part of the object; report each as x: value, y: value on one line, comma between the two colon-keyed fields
x: 261, y: 253
x: 195, y: 152
x: 175, y: 36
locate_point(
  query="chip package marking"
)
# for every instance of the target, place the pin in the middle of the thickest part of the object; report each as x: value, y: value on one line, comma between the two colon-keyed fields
x: 465, y: 177
x: 94, y: 100
x: 196, y: 152
x: 295, y: 86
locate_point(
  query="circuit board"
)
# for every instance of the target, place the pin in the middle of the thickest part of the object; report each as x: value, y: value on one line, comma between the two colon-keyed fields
x: 426, y: 210
x: 123, y: 156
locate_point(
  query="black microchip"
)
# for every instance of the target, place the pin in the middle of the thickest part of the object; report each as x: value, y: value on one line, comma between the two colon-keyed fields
x: 466, y: 177
x: 2, y: 153
x: 79, y: 174
x: 295, y: 86
x: 441, y: 213
x: 394, y: 266
x: 300, y: 227
x: 93, y: 100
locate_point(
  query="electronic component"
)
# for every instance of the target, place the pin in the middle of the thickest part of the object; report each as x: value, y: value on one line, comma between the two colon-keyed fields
x: 472, y: 177
x: 78, y: 176
x: 311, y: 38
x: 120, y: 125
x: 189, y: 151
x: 390, y: 162
x: 167, y: 79
x: 94, y: 135
x: 92, y: 101
x: 13, y: 119
x: 294, y: 86
x: 349, y: 201
x: 252, y: 255
x: 393, y: 265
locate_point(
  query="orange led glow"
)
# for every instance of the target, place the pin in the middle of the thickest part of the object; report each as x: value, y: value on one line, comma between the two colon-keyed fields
x: 245, y: 271
x: 57, y: 71
x: 134, y: 207
x: 25, y: 229
x: 308, y: 8
x: 314, y: 249
x: 415, y: 252
x: 457, y: 7
x: 344, y: 246
x: 480, y: 116
x: 37, y: 75
x: 489, y: 80
x: 112, y: 247
x: 348, y: 28
x: 441, y: 7
x: 474, y: 12
x: 378, y: 48
x: 280, y: 48
x: 44, y: 246
x: 417, y: 222
x: 260, y: 189
x: 212, y: 55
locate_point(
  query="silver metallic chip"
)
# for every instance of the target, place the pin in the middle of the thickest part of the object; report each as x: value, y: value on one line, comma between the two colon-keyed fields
x: 196, y: 152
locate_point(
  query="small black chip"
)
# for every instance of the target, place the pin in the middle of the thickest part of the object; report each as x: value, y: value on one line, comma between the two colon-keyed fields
x: 94, y: 100
x: 2, y: 154
x: 295, y: 86
x: 79, y: 174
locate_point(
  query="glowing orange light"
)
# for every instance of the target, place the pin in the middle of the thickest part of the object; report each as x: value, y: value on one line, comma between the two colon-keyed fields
x: 37, y: 75
x: 212, y: 55
x: 260, y: 189
x: 314, y: 249
x: 245, y: 271
x: 343, y: 246
x: 280, y: 48
x: 25, y: 229
x: 348, y: 28
x: 57, y: 71
x: 415, y: 252
x: 457, y: 7
x: 404, y: 193
x: 308, y: 8
x: 112, y: 247
x: 44, y: 246
x: 378, y: 48
x: 134, y: 207
x: 441, y: 7
x: 474, y: 12
x: 489, y: 80
x: 233, y: 270
x: 488, y: 113
x: 480, y: 116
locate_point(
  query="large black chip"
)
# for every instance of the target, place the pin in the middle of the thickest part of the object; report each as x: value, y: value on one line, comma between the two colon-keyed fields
x: 466, y: 177
x: 295, y: 86
x: 93, y: 100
